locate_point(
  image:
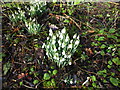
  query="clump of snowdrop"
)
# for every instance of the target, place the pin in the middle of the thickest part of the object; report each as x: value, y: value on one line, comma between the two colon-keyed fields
x: 59, y: 48
x: 33, y: 27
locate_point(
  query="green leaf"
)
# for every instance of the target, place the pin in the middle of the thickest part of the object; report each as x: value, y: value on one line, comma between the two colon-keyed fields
x: 48, y: 83
x: 102, y: 53
x: 116, y: 61
x: 93, y: 78
x: 101, y: 38
x: 103, y: 46
x: 53, y: 82
x: 35, y: 81
x: 54, y: 72
x: 109, y: 66
x: 112, y: 30
x: 114, y: 81
x: 21, y: 83
x: 46, y: 76
x: 67, y: 21
x: 110, y: 62
x: 94, y: 84
x: 32, y: 69
x: 52, y: 67
x: 6, y: 67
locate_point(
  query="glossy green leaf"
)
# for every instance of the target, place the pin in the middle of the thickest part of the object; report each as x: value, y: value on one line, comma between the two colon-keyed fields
x: 112, y: 30
x: 54, y: 72
x: 93, y: 78
x: 116, y: 61
x: 114, y: 81
x: 46, y: 76
x: 35, y: 81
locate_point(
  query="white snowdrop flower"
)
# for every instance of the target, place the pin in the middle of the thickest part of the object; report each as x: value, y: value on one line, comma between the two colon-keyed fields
x: 70, y: 46
x: 76, y: 42
x: 59, y: 42
x: 71, y: 41
x: 61, y: 36
x: 63, y: 45
x: 55, y: 57
x: 47, y: 46
x: 69, y: 56
x: 48, y: 38
x: 65, y: 81
x: 47, y: 53
x: 62, y: 60
x: 65, y: 56
x: 75, y: 36
x: 55, y: 49
x: 113, y: 49
x: 43, y: 45
x: 63, y: 30
x: 58, y: 48
x: 71, y: 82
x: 109, y: 47
x: 54, y: 37
x: 50, y: 32
x: 78, y: 37
x: 63, y: 53
x: 53, y: 42
x: 70, y: 63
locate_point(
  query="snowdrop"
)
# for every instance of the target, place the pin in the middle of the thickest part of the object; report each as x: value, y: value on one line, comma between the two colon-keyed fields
x: 70, y: 46
x: 76, y: 42
x: 63, y: 53
x: 63, y: 30
x: 59, y: 48
x: 75, y: 36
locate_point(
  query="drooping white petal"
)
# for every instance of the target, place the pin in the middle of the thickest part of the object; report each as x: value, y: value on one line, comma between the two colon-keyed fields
x: 75, y: 36
x: 63, y: 30
x: 70, y: 46
x: 63, y: 53
x: 76, y: 42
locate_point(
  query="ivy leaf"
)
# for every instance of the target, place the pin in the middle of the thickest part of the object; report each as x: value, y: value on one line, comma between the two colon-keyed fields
x: 112, y: 30
x: 114, y: 81
x: 35, y: 81
x: 116, y: 61
x: 6, y: 67
x: 54, y: 72
x: 46, y: 76
x: 93, y: 78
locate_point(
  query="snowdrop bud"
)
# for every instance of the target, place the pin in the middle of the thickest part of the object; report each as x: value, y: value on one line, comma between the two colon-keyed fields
x: 75, y: 36
x: 63, y: 30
